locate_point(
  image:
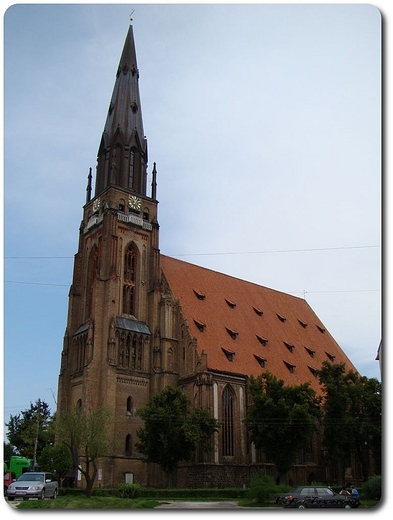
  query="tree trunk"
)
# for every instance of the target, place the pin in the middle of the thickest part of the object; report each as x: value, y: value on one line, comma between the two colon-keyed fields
x: 364, y: 456
x: 90, y: 479
x: 89, y: 486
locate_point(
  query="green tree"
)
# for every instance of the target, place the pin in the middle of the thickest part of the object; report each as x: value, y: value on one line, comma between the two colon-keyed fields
x: 31, y: 430
x: 8, y: 452
x: 84, y: 433
x: 281, y: 419
x: 337, y: 437
x: 56, y: 459
x: 351, y: 416
x: 172, y: 431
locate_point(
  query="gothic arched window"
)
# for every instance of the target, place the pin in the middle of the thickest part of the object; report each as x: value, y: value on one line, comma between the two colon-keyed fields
x: 128, y: 446
x: 129, y: 405
x: 129, y: 280
x: 228, y: 427
x: 133, y: 354
x: 128, y: 351
x: 92, y: 270
x: 121, y: 347
x: 139, y: 361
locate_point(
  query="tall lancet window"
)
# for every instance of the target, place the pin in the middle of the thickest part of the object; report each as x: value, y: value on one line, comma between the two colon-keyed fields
x: 228, y: 441
x: 129, y: 280
x: 131, y: 170
x: 91, y: 276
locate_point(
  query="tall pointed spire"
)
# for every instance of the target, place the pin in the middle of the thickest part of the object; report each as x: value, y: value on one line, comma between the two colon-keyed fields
x: 122, y: 155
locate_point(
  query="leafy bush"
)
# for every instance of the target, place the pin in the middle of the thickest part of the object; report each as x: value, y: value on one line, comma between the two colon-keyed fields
x: 129, y: 490
x: 261, y: 489
x: 372, y: 488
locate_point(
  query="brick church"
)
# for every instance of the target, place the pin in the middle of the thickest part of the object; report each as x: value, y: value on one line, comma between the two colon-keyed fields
x: 139, y: 321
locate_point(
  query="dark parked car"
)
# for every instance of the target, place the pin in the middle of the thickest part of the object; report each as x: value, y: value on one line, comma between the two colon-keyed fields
x: 304, y: 497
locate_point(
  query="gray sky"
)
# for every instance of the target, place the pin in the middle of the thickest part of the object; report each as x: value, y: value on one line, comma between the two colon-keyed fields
x: 265, y: 124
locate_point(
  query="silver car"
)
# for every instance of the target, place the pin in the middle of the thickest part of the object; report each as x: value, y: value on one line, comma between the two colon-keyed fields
x: 33, y: 484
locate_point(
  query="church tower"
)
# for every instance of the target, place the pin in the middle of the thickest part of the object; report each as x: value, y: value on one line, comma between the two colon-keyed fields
x: 114, y: 296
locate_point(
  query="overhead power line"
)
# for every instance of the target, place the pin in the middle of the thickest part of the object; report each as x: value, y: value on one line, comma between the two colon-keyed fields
x: 217, y: 253
x: 268, y: 251
x: 37, y: 283
x: 36, y: 257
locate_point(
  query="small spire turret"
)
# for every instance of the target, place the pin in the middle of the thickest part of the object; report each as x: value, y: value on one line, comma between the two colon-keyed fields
x: 154, y: 183
x: 88, y: 188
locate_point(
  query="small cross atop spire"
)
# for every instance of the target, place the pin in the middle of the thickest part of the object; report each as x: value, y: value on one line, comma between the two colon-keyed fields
x: 131, y: 18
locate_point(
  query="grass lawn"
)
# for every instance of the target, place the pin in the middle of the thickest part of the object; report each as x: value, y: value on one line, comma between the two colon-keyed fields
x: 82, y: 502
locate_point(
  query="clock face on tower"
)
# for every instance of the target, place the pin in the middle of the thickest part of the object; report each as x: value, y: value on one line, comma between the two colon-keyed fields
x: 134, y: 203
x: 96, y: 205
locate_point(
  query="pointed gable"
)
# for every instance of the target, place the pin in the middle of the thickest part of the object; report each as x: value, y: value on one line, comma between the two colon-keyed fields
x: 261, y: 329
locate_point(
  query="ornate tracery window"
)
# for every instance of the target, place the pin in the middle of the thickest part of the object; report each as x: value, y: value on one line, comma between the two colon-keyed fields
x: 129, y: 280
x: 133, y: 352
x: 139, y: 359
x: 228, y: 427
x: 130, y: 351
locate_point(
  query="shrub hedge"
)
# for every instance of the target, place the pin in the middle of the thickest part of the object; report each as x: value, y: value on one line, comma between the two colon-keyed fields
x: 264, y: 490
x: 372, y: 488
x: 203, y: 493
x: 173, y: 493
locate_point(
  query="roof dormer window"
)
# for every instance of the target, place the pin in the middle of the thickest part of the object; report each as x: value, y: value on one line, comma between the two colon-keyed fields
x: 330, y: 356
x: 257, y: 311
x: 201, y: 326
x: 281, y: 317
x: 232, y: 333
x: 310, y: 352
x: 290, y: 367
x: 199, y: 294
x: 289, y: 346
x: 262, y: 340
x: 314, y: 371
x: 261, y: 361
x: 229, y: 354
x: 231, y: 304
x: 321, y: 329
x: 302, y: 323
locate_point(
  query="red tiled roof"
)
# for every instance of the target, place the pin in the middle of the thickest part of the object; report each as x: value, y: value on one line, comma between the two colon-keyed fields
x: 230, y: 315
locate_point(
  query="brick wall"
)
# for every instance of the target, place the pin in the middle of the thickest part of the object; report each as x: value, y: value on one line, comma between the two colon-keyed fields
x: 212, y: 476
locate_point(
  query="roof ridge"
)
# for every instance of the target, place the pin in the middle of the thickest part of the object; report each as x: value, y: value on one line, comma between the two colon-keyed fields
x: 171, y: 258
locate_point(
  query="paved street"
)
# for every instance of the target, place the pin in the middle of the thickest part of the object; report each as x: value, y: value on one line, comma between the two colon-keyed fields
x: 13, y: 503
x: 171, y: 504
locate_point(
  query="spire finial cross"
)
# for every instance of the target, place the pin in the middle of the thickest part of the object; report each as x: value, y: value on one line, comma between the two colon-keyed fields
x: 131, y: 18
